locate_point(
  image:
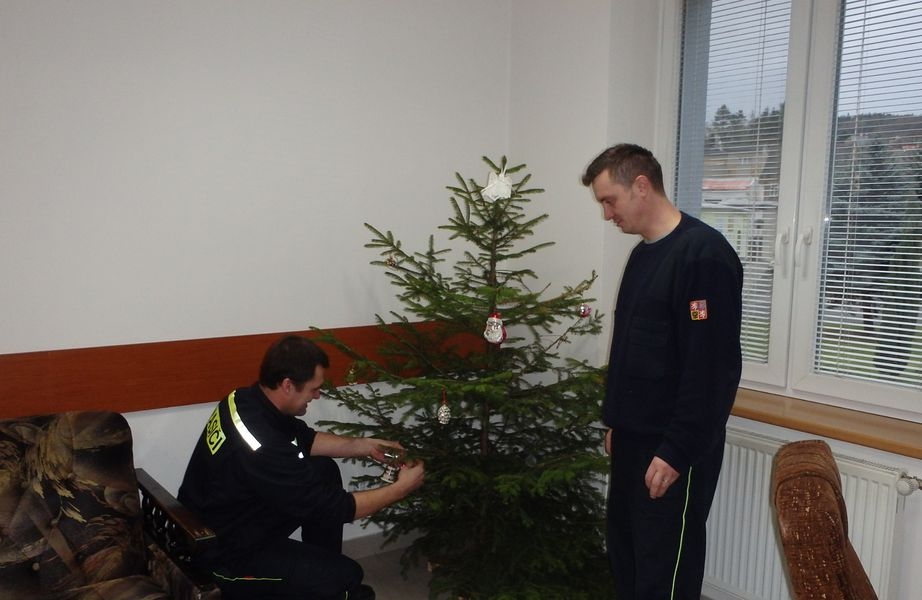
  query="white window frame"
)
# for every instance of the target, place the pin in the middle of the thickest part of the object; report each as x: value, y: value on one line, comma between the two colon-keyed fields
x: 812, y: 60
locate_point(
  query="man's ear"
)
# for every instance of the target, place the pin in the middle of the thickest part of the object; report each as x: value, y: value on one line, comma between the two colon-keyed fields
x: 642, y: 184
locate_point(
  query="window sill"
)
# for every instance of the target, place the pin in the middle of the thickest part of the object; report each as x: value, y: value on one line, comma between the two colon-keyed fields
x: 874, y: 431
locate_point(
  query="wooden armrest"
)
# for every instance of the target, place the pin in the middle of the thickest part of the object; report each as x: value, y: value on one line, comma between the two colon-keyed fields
x: 171, y: 525
x: 191, y: 526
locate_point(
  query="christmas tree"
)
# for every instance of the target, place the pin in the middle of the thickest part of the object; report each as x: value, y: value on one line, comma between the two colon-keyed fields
x: 477, y: 387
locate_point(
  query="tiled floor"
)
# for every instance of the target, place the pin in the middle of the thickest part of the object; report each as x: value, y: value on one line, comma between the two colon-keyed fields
x: 382, y: 572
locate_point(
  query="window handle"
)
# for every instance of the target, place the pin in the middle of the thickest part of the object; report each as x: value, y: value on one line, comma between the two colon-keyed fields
x: 781, y: 244
x: 806, y: 238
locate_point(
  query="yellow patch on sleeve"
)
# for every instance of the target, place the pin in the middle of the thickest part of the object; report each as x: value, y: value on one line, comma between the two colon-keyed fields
x: 214, y: 435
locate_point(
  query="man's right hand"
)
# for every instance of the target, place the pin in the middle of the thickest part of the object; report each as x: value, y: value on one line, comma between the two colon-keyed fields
x: 368, y: 502
x: 411, y: 475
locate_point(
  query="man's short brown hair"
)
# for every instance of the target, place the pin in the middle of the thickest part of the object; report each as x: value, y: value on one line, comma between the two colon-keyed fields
x: 624, y: 163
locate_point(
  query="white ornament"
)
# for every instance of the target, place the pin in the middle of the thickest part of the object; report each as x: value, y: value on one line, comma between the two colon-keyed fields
x: 444, y: 414
x: 494, y: 332
x: 498, y: 186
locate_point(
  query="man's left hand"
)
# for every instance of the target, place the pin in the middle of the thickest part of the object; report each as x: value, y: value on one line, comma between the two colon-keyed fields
x: 659, y: 477
x: 377, y: 448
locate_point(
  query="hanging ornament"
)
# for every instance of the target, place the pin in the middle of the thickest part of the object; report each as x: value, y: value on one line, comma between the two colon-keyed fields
x: 351, y: 376
x: 585, y: 311
x: 390, y: 262
x: 495, y: 331
x: 444, y: 412
x: 393, y: 459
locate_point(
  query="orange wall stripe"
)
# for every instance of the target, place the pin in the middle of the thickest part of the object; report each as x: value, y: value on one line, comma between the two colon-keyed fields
x: 137, y: 377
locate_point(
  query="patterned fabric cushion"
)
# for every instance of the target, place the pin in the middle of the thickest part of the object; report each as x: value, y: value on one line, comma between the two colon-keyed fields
x: 813, y: 525
x: 70, y: 523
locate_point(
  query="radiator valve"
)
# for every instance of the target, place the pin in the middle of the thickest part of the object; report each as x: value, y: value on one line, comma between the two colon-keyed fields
x: 907, y: 485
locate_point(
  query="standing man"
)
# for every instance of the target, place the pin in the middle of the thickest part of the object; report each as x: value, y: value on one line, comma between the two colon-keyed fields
x: 258, y: 472
x: 672, y: 377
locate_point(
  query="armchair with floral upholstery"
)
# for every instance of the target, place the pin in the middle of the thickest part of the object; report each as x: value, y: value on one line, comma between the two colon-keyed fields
x: 71, y: 522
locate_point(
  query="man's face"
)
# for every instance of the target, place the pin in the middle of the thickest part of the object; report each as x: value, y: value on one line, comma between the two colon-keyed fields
x: 620, y: 204
x: 296, y: 400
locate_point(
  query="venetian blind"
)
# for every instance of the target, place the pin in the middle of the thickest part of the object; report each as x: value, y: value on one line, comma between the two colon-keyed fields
x: 735, y: 56
x: 868, y: 323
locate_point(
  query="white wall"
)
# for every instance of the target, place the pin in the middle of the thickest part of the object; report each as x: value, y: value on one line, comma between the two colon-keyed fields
x: 558, y: 122
x: 174, y: 170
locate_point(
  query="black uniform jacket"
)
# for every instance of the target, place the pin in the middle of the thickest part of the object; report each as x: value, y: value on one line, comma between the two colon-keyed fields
x: 249, y: 477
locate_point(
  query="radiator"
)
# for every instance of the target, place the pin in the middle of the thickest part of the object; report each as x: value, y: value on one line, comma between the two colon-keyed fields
x: 744, y: 559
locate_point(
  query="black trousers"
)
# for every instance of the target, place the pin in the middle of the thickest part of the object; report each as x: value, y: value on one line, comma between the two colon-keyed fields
x: 311, y: 569
x: 656, y: 548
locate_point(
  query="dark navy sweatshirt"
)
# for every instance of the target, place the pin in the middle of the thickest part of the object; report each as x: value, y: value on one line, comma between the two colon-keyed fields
x: 675, y: 360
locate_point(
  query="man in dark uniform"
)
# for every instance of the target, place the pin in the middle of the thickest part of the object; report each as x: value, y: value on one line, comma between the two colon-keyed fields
x: 258, y: 473
x: 673, y: 372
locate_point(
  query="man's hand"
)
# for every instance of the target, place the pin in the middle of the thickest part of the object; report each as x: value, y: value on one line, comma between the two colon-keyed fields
x: 411, y: 475
x: 376, y: 448
x: 608, y: 442
x: 368, y: 502
x: 659, y: 477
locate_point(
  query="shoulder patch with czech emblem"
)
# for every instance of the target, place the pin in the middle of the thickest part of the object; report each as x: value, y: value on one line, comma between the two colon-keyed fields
x: 698, y: 310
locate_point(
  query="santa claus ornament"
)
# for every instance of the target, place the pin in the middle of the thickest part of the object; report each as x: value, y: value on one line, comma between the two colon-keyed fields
x: 495, y: 331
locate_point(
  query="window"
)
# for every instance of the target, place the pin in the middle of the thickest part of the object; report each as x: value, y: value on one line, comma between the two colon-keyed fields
x: 800, y: 137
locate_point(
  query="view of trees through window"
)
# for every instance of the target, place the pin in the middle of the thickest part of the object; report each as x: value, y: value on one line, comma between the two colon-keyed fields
x: 869, y: 289
x: 871, y: 285
x: 742, y: 154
